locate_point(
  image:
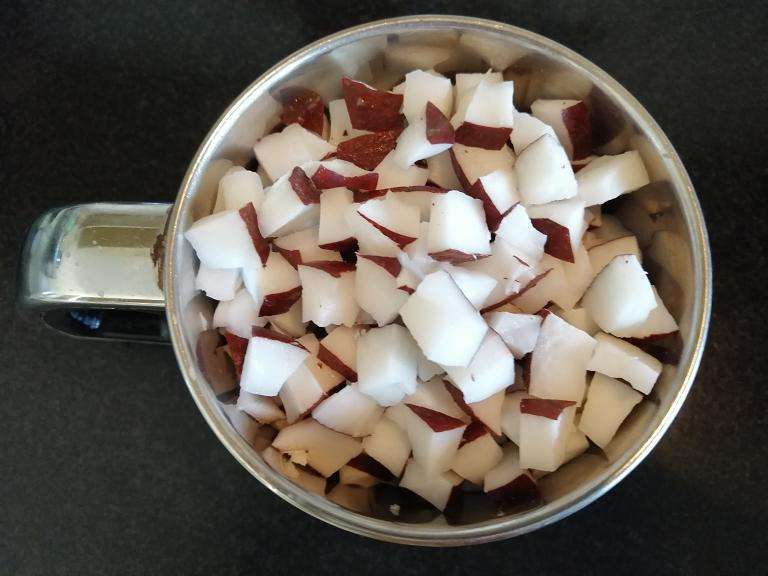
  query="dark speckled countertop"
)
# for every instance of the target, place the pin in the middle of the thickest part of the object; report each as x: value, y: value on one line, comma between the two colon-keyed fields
x: 107, y: 467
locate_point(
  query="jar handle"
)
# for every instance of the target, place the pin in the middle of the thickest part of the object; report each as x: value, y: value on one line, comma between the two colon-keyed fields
x: 95, y: 271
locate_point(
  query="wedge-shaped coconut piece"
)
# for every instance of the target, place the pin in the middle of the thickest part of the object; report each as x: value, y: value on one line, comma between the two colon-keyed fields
x: 334, y: 232
x: 659, y: 323
x: 291, y: 204
x: 544, y: 429
x: 392, y: 175
x: 261, y: 408
x: 371, y: 109
x: 482, y: 137
x: 301, y: 392
x: 498, y: 193
x: 434, y: 438
x: 619, y: 359
x: 487, y: 411
x: 547, y: 281
x: 443, y: 322
x: 544, y: 173
x: 238, y: 188
x: 476, y: 285
x: 602, y: 254
x: 388, y: 444
x: 367, y: 152
x: 328, y: 378
x: 435, y: 487
x: 608, y: 177
x: 270, y: 359
x: 302, y: 246
x: 570, y: 120
x: 492, y: 369
x: 441, y: 171
x: 516, y: 230
x: 477, y: 454
x: 222, y: 240
x: 457, y: 228
x: 238, y: 315
x: 309, y: 384
x: 609, y: 402
x: 476, y: 93
x: 338, y: 173
x: 527, y: 130
x: 433, y: 394
x: 414, y: 143
x: 327, y: 449
x: 370, y: 240
x: 510, y: 415
x: 467, y: 82
x: 559, y: 361
x: 220, y: 284
x: 426, y: 136
x: 620, y: 296
x: 386, y: 364
x: 339, y: 351
x: 563, y: 224
x: 349, y: 411
x: 328, y: 293
x: 470, y: 163
x: 280, y: 152
x: 578, y: 318
x: 508, y: 481
x: 507, y: 265
x: 376, y: 287
x: 485, y: 114
x: 280, y: 284
x: 518, y: 331
x: 422, y: 87
x: 397, y: 220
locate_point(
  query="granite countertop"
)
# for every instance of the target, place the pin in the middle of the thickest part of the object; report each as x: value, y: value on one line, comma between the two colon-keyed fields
x: 107, y: 466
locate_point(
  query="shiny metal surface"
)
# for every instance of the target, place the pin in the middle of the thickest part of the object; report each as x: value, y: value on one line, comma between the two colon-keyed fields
x: 88, y: 270
x: 665, y: 216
